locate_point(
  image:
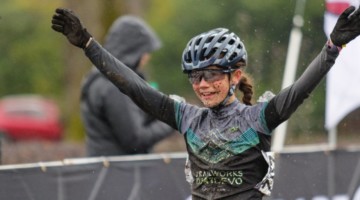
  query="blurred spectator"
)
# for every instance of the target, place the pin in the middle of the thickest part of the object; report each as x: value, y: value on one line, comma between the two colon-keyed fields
x: 114, y: 124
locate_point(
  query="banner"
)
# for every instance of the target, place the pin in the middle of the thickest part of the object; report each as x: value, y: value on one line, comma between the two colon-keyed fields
x: 319, y: 175
x: 150, y: 177
x: 342, y: 94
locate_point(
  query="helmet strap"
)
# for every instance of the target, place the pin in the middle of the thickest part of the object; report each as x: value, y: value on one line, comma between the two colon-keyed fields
x: 230, y: 93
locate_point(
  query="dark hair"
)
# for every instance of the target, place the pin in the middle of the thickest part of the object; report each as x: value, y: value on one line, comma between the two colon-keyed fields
x: 245, y: 84
x: 246, y: 87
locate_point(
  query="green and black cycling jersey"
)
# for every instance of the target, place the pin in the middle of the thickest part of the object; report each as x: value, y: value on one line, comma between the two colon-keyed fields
x: 226, y: 146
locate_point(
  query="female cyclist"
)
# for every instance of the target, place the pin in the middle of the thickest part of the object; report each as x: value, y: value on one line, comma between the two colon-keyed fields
x: 227, y: 139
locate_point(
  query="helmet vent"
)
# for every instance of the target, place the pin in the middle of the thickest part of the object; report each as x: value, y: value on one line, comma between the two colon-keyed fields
x: 198, y: 41
x: 222, y: 39
x: 232, y: 41
x: 202, y: 56
x: 232, y: 56
x: 211, y: 53
x: 188, y: 57
x: 209, y: 39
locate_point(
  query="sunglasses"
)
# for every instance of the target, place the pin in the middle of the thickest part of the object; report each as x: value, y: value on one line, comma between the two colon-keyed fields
x: 209, y: 75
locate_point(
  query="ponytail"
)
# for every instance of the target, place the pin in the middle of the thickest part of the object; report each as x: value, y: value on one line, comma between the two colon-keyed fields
x: 245, y: 86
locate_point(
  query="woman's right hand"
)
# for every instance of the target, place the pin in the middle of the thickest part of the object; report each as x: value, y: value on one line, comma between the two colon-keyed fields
x: 66, y: 22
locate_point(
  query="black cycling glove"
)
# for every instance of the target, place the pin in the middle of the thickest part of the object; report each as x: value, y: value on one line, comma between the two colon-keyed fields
x: 347, y: 27
x: 67, y: 23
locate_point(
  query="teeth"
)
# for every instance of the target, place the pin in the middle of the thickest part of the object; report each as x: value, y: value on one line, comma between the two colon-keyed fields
x: 207, y: 93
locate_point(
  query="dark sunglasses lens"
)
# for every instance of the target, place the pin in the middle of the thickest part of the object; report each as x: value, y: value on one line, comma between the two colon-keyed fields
x: 212, y: 75
x: 195, y: 77
x: 208, y: 75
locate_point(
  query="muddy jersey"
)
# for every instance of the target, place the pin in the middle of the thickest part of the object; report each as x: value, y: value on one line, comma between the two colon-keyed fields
x: 226, y: 147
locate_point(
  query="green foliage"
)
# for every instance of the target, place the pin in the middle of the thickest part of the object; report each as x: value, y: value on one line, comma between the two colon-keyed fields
x: 29, y: 63
x: 32, y: 56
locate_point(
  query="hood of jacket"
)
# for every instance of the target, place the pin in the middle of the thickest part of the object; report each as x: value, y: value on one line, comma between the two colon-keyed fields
x: 129, y: 38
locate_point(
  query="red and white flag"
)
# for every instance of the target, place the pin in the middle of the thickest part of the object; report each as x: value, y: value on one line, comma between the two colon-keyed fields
x: 343, y: 80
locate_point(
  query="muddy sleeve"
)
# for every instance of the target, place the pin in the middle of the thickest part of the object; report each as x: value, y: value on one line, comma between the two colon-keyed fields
x: 289, y: 99
x: 148, y: 99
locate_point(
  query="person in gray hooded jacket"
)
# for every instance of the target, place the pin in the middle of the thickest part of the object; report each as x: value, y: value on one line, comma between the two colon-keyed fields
x: 114, y: 125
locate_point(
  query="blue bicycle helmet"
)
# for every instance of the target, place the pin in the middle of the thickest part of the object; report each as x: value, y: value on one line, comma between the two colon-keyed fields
x: 217, y: 47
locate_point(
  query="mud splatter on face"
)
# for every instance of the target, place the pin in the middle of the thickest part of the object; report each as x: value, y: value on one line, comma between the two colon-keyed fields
x: 212, y: 94
x: 217, y: 85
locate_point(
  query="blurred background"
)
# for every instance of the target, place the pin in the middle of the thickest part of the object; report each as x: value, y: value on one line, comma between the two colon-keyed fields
x: 35, y: 60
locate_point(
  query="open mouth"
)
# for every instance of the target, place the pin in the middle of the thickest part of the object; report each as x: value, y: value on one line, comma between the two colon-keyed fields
x: 208, y: 95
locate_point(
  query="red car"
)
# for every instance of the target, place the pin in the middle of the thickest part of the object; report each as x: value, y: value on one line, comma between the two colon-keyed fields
x: 24, y: 117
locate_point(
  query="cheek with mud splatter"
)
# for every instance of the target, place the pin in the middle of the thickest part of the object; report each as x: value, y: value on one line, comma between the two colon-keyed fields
x: 217, y: 85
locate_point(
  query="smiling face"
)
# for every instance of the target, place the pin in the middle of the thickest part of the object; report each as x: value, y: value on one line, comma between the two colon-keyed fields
x: 212, y: 92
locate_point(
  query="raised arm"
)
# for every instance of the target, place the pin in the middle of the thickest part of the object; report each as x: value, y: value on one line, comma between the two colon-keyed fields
x: 147, y: 98
x: 289, y: 99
